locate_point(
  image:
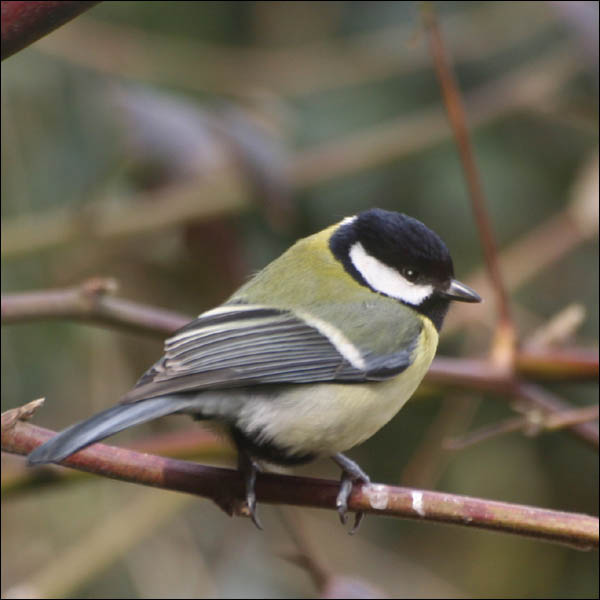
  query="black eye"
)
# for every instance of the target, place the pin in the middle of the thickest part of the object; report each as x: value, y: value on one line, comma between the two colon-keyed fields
x: 410, y: 274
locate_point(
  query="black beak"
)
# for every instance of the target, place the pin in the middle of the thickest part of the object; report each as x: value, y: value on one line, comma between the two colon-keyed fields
x: 461, y: 292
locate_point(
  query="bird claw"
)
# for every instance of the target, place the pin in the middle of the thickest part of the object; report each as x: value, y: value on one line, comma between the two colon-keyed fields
x: 341, y: 501
x: 351, y: 473
x: 358, y: 517
x: 251, y: 504
x: 249, y: 468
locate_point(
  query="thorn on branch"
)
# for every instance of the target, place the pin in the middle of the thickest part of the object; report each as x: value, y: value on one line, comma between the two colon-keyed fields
x: 21, y: 413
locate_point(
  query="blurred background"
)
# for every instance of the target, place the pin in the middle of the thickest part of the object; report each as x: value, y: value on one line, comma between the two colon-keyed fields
x: 180, y: 146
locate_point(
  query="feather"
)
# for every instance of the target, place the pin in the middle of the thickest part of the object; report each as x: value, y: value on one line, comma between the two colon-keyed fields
x: 104, y: 424
x: 236, y: 345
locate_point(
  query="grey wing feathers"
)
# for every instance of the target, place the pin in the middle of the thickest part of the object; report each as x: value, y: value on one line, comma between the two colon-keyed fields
x: 241, y: 345
x: 230, y: 347
x: 104, y: 424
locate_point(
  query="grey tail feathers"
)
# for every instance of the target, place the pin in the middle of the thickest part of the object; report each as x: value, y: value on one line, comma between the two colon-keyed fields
x: 104, y: 424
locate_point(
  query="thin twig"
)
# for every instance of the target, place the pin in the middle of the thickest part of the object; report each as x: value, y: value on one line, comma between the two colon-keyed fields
x: 566, y: 418
x: 548, y: 402
x: 506, y: 335
x: 482, y: 375
x: 485, y: 433
x: 543, y: 246
x: 532, y: 423
x: 224, y: 486
x: 91, y: 301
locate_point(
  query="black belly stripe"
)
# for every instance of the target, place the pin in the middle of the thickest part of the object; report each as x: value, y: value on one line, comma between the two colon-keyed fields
x: 267, y: 450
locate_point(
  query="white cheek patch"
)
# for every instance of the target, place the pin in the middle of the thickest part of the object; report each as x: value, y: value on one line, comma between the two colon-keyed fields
x: 386, y: 280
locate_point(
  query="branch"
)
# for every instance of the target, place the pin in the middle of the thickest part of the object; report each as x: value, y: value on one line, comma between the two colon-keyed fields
x: 226, y: 488
x: 481, y: 375
x: 188, y: 444
x: 558, y: 364
x: 532, y: 423
x: 91, y: 301
x: 546, y: 244
x: 505, y: 335
x: 548, y: 402
x: 25, y: 22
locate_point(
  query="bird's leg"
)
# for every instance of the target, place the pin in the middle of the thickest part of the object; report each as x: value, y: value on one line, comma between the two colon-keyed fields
x: 351, y: 473
x: 248, y: 467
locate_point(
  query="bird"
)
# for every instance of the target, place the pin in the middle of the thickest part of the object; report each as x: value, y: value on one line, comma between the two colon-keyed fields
x: 309, y: 358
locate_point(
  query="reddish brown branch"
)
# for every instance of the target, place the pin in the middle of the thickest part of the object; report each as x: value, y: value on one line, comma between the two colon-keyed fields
x: 25, y: 22
x: 224, y: 486
x: 92, y: 301
x: 574, y: 365
x: 191, y: 444
x: 485, y: 376
x: 557, y: 363
x: 458, y: 121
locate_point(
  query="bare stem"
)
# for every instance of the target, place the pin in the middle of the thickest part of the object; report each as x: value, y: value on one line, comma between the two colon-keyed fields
x: 194, y: 443
x: 93, y: 301
x: 532, y: 423
x: 550, y: 403
x: 225, y: 486
x: 458, y: 121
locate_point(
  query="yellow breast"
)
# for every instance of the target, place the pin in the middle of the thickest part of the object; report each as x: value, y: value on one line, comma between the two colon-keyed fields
x: 329, y: 418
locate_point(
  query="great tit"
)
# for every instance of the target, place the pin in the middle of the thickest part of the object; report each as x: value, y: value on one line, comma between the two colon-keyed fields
x: 309, y: 358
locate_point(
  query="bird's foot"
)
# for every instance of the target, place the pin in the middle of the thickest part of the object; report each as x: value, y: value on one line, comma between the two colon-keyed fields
x: 249, y: 468
x: 351, y: 473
